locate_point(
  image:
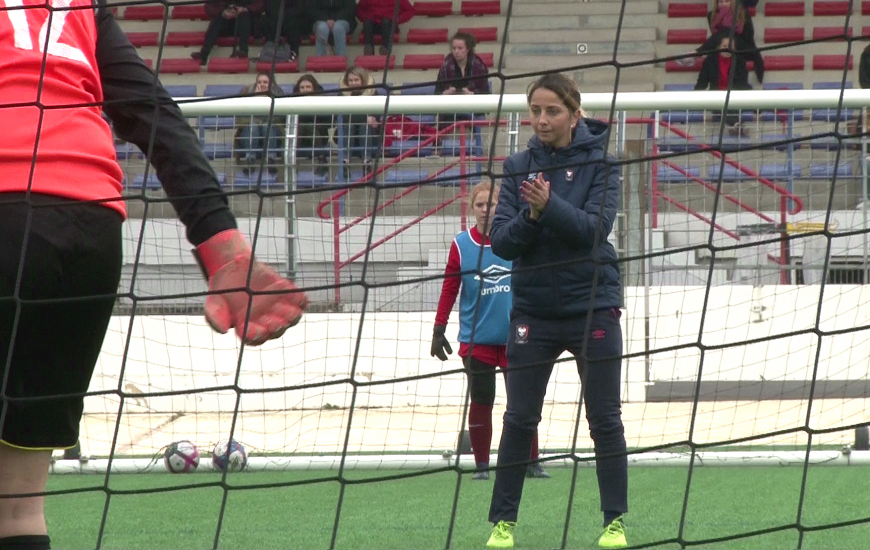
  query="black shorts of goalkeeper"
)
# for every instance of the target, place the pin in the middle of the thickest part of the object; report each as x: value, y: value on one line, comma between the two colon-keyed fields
x: 60, y: 265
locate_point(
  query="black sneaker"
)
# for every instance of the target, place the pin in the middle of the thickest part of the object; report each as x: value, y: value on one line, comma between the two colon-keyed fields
x: 537, y: 471
x: 482, y: 472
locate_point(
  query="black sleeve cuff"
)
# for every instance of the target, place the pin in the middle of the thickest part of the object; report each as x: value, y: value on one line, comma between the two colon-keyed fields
x: 209, y: 226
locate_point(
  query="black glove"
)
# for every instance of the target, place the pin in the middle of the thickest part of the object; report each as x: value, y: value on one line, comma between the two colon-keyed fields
x: 440, y: 343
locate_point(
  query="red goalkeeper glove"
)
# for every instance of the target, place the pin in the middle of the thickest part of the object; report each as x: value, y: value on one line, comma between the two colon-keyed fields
x: 226, y: 260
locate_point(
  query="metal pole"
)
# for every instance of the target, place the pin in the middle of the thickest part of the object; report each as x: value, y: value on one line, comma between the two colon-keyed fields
x: 290, y: 178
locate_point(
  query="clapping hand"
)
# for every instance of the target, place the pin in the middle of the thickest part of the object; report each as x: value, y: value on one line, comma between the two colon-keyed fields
x: 537, y: 194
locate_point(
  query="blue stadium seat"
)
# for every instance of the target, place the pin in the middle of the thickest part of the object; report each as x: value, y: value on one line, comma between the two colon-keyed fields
x: 424, y: 119
x: 832, y: 115
x: 830, y: 85
x: 779, y: 171
x: 308, y: 179
x: 139, y: 180
x: 124, y: 151
x: 399, y: 147
x: 253, y: 178
x: 681, y: 117
x: 215, y: 151
x: 674, y: 87
x: 452, y: 147
x: 677, y: 145
x: 667, y: 174
x: 397, y: 176
x: 181, y: 90
x: 220, y: 90
x: 769, y: 116
x: 217, y: 122
x: 827, y: 170
x: 413, y: 88
x: 779, y: 137
x: 782, y: 85
x: 729, y: 173
x: 453, y: 177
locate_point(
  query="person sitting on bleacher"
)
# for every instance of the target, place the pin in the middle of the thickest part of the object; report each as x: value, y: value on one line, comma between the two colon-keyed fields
x: 716, y: 74
x: 377, y: 18
x: 288, y: 35
x: 251, y: 137
x: 729, y: 14
x: 312, y: 133
x: 231, y: 18
x: 334, y: 19
x: 362, y: 132
x: 462, y: 71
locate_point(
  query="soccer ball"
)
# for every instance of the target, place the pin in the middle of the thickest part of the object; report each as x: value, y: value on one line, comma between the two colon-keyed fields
x: 229, y: 455
x: 181, y: 457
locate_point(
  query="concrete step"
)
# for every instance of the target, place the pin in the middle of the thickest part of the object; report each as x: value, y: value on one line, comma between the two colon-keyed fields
x: 560, y: 9
x: 559, y: 62
x: 547, y: 23
x: 588, y: 36
x: 646, y: 49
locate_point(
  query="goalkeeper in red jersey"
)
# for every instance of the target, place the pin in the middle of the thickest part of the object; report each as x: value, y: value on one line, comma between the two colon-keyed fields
x: 484, y: 318
x: 63, y: 64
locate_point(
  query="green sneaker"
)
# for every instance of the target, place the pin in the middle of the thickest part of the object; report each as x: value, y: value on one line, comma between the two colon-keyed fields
x: 613, y: 535
x: 502, y: 535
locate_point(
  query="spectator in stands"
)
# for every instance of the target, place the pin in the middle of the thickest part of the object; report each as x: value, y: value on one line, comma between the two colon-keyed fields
x: 484, y: 320
x: 462, y: 71
x: 335, y: 20
x: 284, y: 28
x: 362, y: 132
x: 377, y: 18
x: 228, y: 18
x: 312, y: 133
x: 716, y: 74
x: 730, y: 14
x: 864, y: 68
x: 257, y: 135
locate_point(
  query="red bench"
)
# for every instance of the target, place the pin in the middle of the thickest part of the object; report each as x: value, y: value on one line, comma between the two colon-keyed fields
x: 777, y: 36
x: 480, y: 7
x: 821, y: 33
x: 482, y: 34
x: 433, y: 9
x: 783, y: 63
x: 140, y: 39
x: 194, y: 12
x: 686, y: 36
x: 422, y: 61
x: 695, y: 9
x: 283, y: 67
x: 427, y: 36
x: 783, y: 8
x: 326, y: 64
x: 185, y: 38
x: 831, y: 62
x: 834, y: 7
x: 179, y: 66
x: 374, y: 62
x: 144, y: 13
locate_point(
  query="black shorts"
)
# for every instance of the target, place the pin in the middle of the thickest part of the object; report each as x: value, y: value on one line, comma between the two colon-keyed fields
x: 71, y: 272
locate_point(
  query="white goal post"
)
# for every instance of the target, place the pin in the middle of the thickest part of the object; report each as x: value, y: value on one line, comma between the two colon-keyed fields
x: 160, y: 365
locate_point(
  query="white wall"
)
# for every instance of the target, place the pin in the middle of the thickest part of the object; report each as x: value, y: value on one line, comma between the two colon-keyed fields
x: 183, y: 354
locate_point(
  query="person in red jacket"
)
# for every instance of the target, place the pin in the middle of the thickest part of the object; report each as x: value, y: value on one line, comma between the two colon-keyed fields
x: 61, y: 214
x: 377, y: 18
x: 228, y: 18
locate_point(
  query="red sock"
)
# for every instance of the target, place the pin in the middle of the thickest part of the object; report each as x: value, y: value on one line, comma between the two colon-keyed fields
x: 480, y: 431
x: 534, y: 454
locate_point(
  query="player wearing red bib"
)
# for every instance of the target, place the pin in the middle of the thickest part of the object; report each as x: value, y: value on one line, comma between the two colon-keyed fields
x: 63, y: 65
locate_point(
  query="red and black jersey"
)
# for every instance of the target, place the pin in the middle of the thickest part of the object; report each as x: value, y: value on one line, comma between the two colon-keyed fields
x: 62, y: 64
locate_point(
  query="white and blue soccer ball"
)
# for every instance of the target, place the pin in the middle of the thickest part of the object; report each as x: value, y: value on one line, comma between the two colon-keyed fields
x: 181, y: 457
x: 229, y: 456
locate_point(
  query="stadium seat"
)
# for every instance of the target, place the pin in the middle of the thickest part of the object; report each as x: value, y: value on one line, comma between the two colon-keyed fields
x: 192, y: 12
x: 427, y: 36
x: 412, y: 88
x: 675, y: 87
x: 780, y: 9
x: 140, y: 180
x: 124, y: 151
x: 283, y: 67
x: 778, y: 36
x: 177, y: 38
x: 831, y: 62
x: 865, y: 32
x: 222, y: 90
x: 433, y: 9
x: 782, y: 86
x: 480, y: 7
x: 668, y: 174
x: 865, y: 8
x: 181, y: 90
x: 403, y: 146
x: 779, y: 171
x: 676, y: 145
x: 452, y: 147
x: 217, y: 122
x: 453, y: 177
x: 674, y: 67
x: 326, y: 64
x: 488, y: 58
x: 771, y: 138
x: 144, y: 13
x: 681, y: 117
x: 729, y: 173
x: 228, y: 65
x: 254, y: 178
x: 215, y: 151
x: 695, y: 9
x: 422, y: 61
x: 827, y: 170
x: 179, y: 66
x: 230, y: 41
x: 140, y: 39
x: 831, y: 7
x: 398, y: 176
x: 821, y: 33
x: 482, y: 34
x: 378, y: 39
x: 831, y: 85
x: 374, y: 62
x: 686, y: 36
x: 831, y: 114
x: 308, y: 179
x: 784, y: 63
